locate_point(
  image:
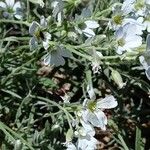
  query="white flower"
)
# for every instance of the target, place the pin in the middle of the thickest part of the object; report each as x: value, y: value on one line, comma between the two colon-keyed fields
x: 56, y: 57
x: 11, y: 9
x: 96, y: 61
x: 90, y: 25
x: 121, y: 17
x: 127, y: 39
x: 88, y: 29
x: 86, y: 140
x: 93, y: 111
x: 36, y: 30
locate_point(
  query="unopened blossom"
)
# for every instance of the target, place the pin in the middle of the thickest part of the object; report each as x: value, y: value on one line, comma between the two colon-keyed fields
x: 93, y: 113
x: 127, y: 39
x: 57, y: 6
x: 96, y: 61
x: 145, y: 65
x: 145, y: 58
x: 90, y: 25
x: 11, y: 8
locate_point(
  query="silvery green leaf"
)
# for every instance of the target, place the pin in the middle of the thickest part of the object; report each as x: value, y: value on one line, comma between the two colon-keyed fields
x: 148, y: 42
x: 33, y: 43
x: 33, y: 27
x: 40, y: 2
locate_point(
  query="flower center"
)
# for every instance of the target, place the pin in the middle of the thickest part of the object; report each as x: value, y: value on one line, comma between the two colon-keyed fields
x: 10, y: 10
x: 121, y: 42
x: 92, y: 106
x: 139, y: 4
x: 117, y: 19
x: 147, y: 18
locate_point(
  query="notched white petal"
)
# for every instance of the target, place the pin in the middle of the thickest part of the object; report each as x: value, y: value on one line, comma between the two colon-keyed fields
x: 2, y: 5
x: 91, y: 24
x: 33, y: 27
x: 107, y: 103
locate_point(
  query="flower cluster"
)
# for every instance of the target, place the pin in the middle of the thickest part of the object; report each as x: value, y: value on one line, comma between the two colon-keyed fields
x: 89, y: 116
x: 129, y: 21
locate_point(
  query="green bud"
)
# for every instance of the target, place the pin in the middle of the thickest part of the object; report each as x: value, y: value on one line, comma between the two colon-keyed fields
x: 18, y: 145
x: 69, y: 135
x: 117, y: 78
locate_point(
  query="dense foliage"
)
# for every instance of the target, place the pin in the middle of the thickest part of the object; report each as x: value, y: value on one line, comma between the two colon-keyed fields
x: 64, y: 65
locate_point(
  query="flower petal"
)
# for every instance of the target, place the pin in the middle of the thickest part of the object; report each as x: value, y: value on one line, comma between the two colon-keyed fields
x: 88, y: 32
x: 148, y: 73
x: 17, y: 5
x: 56, y: 59
x: 33, y: 27
x: 91, y: 24
x: 2, y: 5
x: 143, y: 62
x: 88, y: 128
x: 18, y: 16
x: 133, y: 41
x: 46, y: 59
x: 43, y: 21
x: 102, y: 119
x: 64, y: 52
x: 107, y: 103
x: 33, y: 43
x: 10, y: 3
x: 71, y: 146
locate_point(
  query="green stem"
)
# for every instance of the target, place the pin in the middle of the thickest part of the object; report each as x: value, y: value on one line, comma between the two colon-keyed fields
x: 2, y: 125
x: 28, y: 10
x: 56, y: 104
x: 15, y: 22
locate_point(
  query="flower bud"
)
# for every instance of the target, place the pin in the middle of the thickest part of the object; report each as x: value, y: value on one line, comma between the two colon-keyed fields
x: 117, y: 78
